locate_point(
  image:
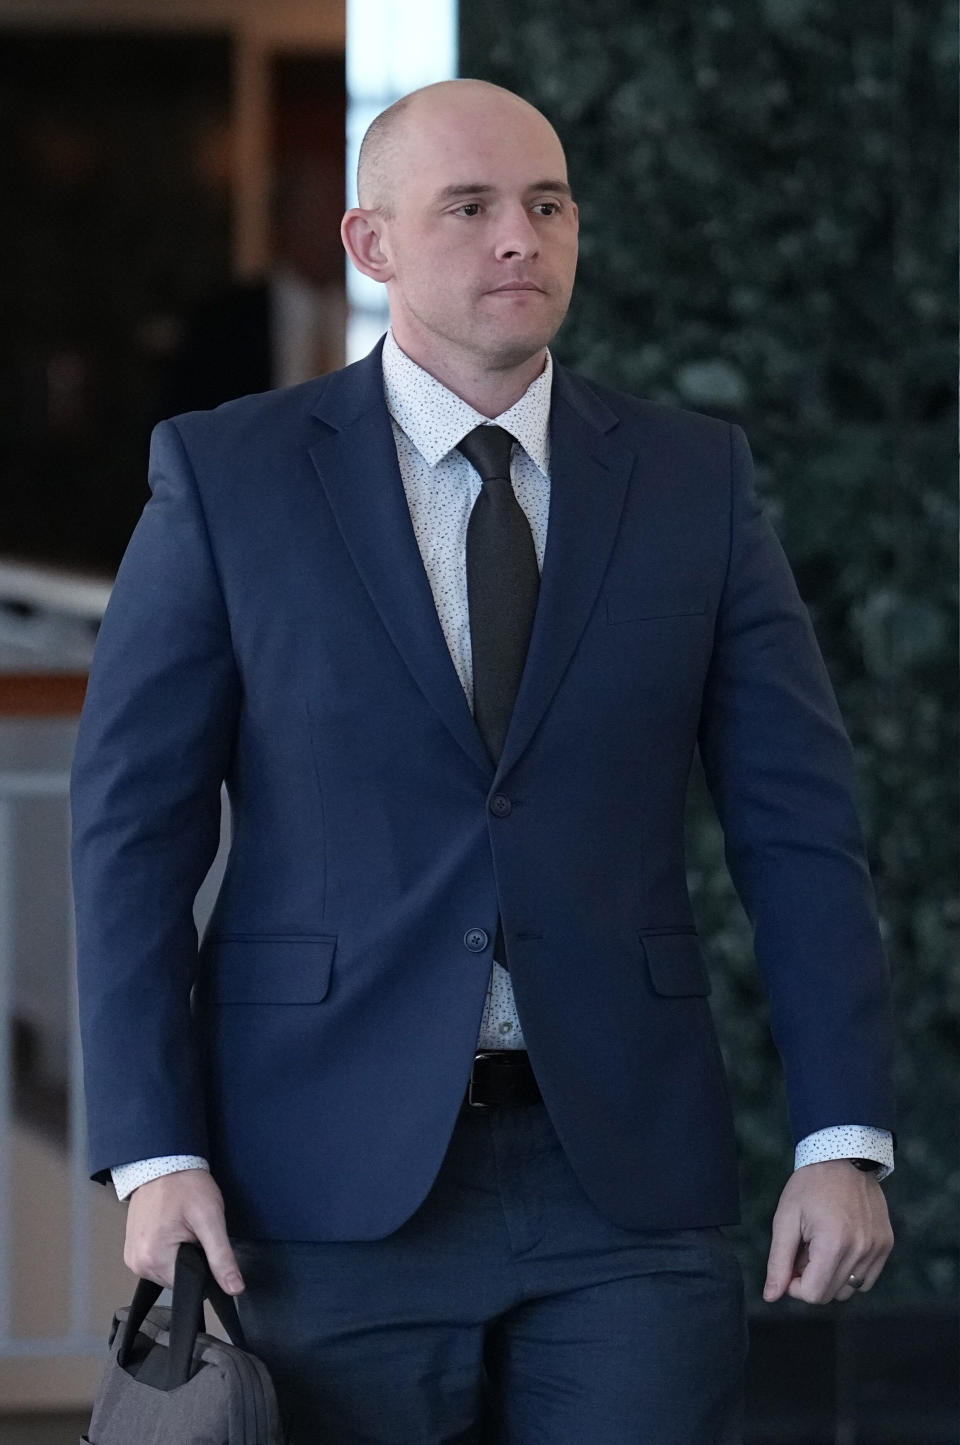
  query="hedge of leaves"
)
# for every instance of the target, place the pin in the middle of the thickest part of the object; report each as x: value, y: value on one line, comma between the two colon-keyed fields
x: 768, y: 234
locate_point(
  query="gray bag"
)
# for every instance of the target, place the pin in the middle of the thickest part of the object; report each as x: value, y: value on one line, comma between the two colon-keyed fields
x: 169, y: 1383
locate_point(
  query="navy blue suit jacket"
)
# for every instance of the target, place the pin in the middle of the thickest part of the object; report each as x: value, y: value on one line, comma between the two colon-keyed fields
x: 272, y: 625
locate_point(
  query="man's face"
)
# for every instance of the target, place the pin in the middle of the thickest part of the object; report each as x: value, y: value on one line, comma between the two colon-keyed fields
x: 482, y: 241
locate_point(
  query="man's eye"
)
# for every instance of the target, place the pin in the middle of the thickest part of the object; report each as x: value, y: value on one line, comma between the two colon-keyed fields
x: 469, y: 208
x: 547, y: 208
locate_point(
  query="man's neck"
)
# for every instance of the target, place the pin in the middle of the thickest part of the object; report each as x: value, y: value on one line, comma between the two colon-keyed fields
x: 491, y: 393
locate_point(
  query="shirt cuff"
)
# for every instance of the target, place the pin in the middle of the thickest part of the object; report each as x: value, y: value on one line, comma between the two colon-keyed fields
x: 848, y: 1141
x: 126, y: 1177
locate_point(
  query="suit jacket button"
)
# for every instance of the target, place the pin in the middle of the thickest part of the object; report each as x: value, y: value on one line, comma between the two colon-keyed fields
x: 476, y: 939
x: 500, y: 805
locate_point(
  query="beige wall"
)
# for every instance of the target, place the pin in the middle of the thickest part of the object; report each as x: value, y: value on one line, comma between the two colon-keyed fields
x: 314, y: 23
x: 40, y: 1238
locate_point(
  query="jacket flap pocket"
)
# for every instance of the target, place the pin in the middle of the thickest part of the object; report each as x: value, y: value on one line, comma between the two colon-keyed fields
x: 634, y: 604
x: 676, y: 965
x: 261, y: 969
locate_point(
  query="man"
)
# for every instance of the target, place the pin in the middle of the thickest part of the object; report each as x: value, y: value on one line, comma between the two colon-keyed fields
x: 456, y: 719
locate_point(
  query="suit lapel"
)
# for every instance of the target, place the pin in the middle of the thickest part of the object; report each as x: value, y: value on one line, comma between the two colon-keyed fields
x: 357, y: 463
x: 589, y: 474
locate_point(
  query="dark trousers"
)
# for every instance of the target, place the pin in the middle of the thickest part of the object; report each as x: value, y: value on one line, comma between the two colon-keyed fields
x: 507, y: 1309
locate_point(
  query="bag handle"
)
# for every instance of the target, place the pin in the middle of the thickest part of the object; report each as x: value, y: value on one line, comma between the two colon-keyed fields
x: 192, y: 1284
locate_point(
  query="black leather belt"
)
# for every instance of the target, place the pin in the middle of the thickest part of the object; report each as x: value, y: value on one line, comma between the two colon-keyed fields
x: 501, y: 1076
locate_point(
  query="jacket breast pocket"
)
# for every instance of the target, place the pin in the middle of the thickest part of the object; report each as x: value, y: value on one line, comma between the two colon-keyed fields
x: 264, y: 969
x: 636, y: 604
x: 675, y: 964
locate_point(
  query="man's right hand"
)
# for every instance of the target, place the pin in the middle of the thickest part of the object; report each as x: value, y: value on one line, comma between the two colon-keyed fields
x: 163, y: 1213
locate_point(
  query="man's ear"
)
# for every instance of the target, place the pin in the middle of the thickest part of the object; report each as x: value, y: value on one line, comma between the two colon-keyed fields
x: 361, y: 232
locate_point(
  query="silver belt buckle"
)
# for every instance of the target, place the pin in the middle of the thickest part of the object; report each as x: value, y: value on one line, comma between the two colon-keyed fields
x: 481, y: 1054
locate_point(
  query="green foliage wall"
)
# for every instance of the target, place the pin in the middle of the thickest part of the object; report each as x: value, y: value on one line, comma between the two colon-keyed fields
x: 768, y: 234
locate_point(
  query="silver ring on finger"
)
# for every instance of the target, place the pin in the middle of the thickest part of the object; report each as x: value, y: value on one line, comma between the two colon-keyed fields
x: 855, y: 1281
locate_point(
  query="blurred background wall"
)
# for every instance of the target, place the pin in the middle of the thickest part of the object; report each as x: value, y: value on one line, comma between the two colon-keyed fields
x: 768, y: 201
x: 149, y: 171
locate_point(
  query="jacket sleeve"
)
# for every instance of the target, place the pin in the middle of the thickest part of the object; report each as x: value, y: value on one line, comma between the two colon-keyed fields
x: 154, y: 744
x: 780, y: 769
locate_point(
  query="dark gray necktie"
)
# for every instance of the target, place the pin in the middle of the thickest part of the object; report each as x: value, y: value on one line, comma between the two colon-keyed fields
x: 503, y: 582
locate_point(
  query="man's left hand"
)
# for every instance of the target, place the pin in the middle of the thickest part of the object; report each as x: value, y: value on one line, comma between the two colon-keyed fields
x: 831, y: 1223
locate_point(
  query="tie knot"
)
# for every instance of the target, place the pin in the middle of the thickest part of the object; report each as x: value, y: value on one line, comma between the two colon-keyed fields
x: 488, y: 449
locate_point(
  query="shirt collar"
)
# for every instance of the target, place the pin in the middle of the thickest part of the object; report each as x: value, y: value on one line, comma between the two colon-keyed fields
x: 436, y: 419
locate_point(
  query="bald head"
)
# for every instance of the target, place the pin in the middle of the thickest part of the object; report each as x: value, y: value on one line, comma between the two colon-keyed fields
x: 385, y: 149
x: 466, y: 215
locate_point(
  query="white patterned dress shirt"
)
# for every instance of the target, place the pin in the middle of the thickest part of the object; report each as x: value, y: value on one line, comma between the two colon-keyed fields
x: 441, y: 487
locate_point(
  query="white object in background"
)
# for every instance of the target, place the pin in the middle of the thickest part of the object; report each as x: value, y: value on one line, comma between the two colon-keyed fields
x: 393, y: 47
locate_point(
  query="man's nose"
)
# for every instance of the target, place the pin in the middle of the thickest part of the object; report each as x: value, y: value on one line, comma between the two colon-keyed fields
x: 517, y: 238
